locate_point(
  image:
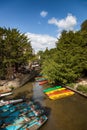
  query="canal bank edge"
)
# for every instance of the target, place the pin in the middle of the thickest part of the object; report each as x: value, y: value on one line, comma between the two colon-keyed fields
x: 73, y: 89
x: 17, y: 82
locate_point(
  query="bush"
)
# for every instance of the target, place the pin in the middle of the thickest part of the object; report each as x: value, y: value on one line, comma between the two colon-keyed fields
x: 71, y: 85
x: 82, y: 88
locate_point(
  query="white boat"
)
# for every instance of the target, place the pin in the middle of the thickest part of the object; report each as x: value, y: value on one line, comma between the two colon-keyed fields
x: 5, y: 94
x: 2, y: 102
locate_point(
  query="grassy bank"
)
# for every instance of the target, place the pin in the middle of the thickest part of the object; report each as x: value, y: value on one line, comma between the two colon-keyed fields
x: 82, y: 88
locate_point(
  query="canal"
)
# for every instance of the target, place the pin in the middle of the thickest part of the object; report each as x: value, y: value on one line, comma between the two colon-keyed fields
x: 69, y: 113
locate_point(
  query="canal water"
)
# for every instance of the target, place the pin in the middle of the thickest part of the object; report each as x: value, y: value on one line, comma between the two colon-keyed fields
x: 69, y: 113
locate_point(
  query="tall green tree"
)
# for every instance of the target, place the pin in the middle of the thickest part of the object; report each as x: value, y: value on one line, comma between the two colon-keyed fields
x: 69, y: 60
x: 84, y: 26
x: 16, y: 49
x: 2, y: 46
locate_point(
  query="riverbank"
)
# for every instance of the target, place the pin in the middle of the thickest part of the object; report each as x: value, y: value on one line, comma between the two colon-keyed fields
x: 80, y: 87
x: 6, y: 85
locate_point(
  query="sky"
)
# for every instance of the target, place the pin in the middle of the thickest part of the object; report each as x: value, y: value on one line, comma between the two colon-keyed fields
x: 43, y: 20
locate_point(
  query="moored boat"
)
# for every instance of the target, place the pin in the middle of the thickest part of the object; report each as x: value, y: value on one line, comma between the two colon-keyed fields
x: 5, y: 94
x: 2, y: 102
x: 35, y: 124
x: 10, y: 106
x: 40, y: 79
x: 56, y: 90
x: 19, y: 115
x: 59, y: 92
x: 50, y: 89
x: 62, y: 95
x: 43, y: 82
x: 18, y: 122
x: 22, y: 107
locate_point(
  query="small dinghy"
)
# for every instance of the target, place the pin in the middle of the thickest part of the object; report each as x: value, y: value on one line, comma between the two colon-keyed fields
x: 2, y: 102
x: 5, y: 94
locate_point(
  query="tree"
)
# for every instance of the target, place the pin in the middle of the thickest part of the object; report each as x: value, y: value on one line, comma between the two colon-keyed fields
x: 71, y: 54
x: 16, y: 49
x: 69, y: 60
x: 2, y: 46
x: 84, y: 26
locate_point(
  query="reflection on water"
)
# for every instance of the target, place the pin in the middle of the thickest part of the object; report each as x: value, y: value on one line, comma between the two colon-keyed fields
x: 38, y: 94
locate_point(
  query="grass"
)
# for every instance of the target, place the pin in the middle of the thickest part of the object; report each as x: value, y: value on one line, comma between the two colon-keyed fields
x: 82, y: 88
x: 71, y: 85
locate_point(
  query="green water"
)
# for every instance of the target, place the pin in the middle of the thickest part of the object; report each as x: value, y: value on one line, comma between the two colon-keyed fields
x: 68, y: 113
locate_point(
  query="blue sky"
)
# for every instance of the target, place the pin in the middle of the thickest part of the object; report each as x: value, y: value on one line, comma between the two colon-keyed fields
x: 43, y: 20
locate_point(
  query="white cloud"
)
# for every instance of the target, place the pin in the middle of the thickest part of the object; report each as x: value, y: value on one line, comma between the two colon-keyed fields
x: 40, y: 42
x: 67, y: 23
x: 43, y: 13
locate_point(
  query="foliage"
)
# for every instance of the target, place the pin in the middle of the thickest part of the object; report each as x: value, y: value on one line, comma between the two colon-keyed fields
x: 82, y: 88
x: 84, y: 26
x: 15, y: 50
x: 71, y: 85
x: 47, y: 54
x: 50, y: 70
x: 68, y: 61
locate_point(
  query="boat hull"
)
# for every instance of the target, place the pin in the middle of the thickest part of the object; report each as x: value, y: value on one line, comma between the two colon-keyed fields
x: 50, y: 89
x: 43, y: 82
